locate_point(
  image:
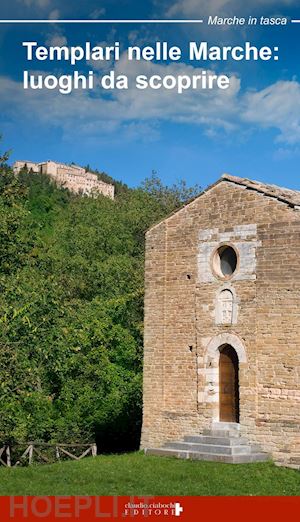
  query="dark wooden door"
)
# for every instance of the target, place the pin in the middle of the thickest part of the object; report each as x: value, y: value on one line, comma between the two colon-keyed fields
x: 229, y: 385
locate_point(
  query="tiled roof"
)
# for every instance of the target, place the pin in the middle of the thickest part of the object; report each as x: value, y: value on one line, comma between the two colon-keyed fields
x: 288, y: 196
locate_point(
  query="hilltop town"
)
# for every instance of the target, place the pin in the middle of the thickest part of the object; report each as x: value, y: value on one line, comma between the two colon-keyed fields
x: 72, y: 177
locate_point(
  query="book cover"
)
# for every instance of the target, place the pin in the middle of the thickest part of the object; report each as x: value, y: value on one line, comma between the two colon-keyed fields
x: 149, y: 268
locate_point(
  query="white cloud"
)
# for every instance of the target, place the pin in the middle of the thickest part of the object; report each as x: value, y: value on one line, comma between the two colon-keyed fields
x: 54, y: 14
x: 135, y: 113
x: 194, y: 106
x: 98, y: 13
x: 142, y: 36
x: 286, y: 152
x: 35, y: 3
x: 104, y: 65
x: 277, y: 106
x: 56, y: 39
x: 194, y: 8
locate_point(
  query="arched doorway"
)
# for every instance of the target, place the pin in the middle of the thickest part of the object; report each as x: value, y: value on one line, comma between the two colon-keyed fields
x: 228, y: 384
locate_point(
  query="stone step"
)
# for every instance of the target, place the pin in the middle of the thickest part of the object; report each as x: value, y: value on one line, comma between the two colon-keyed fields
x: 232, y: 426
x: 221, y: 433
x: 210, y: 448
x: 229, y: 459
x: 222, y: 441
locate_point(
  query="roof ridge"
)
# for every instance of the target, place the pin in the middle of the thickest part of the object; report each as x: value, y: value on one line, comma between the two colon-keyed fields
x: 285, y: 195
x: 238, y: 179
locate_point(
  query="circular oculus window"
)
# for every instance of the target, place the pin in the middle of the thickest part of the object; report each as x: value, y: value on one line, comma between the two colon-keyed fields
x: 225, y: 261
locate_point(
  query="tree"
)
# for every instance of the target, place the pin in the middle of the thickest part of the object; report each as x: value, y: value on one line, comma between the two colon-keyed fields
x: 170, y: 197
x: 3, y: 156
x: 71, y: 309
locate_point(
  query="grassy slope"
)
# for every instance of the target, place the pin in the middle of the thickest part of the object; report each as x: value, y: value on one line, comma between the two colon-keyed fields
x: 135, y: 474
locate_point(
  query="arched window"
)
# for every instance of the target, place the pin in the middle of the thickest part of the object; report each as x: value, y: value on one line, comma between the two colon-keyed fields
x: 225, y: 307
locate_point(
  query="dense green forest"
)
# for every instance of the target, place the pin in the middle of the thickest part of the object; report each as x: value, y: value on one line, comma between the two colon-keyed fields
x: 71, y: 308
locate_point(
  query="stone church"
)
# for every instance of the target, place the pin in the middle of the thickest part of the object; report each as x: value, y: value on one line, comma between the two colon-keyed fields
x: 222, y: 327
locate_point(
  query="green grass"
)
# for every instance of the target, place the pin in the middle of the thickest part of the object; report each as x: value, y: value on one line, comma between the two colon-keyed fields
x: 136, y: 474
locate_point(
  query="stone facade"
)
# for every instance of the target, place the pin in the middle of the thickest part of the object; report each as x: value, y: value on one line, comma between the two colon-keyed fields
x: 72, y: 177
x: 191, y: 311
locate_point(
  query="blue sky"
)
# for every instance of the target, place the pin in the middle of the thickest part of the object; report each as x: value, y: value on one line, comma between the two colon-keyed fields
x: 251, y: 131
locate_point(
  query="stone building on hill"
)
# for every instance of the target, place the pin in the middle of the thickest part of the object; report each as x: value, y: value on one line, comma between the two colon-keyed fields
x: 222, y: 327
x: 72, y: 177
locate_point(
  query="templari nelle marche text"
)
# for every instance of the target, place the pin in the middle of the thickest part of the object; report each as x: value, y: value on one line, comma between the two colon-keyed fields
x: 199, y: 52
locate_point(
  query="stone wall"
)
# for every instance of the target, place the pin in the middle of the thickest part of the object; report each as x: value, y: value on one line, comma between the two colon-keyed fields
x: 183, y: 325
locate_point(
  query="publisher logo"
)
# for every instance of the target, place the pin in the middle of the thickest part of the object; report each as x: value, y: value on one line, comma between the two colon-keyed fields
x: 96, y: 508
x: 178, y: 509
x: 153, y: 509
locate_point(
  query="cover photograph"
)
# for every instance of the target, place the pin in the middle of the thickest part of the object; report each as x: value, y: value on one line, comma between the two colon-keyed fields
x: 149, y: 259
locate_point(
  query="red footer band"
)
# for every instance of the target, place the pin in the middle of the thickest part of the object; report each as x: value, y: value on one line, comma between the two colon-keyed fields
x: 210, y: 509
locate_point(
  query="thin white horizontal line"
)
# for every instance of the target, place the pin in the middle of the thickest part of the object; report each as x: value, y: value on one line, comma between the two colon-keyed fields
x: 134, y: 21
x: 295, y: 21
